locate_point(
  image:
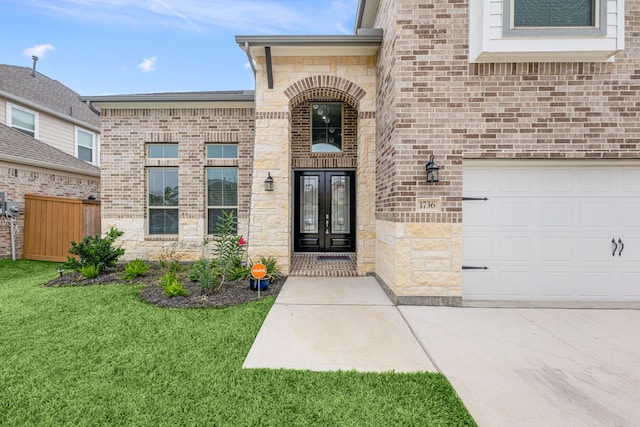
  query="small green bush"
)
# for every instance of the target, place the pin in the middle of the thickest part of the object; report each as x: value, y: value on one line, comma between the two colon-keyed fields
x: 90, y: 271
x: 206, y: 273
x: 95, y: 250
x: 135, y: 268
x: 172, y: 286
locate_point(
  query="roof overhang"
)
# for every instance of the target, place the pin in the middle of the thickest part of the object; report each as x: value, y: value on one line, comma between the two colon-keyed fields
x: 366, y: 14
x: 222, y: 99
x: 47, y: 165
x: 364, y: 43
x: 40, y: 108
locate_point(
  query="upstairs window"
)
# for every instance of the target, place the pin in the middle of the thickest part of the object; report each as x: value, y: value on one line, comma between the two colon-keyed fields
x: 555, y: 17
x: 26, y: 121
x: 326, y: 127
x: 85, y: 145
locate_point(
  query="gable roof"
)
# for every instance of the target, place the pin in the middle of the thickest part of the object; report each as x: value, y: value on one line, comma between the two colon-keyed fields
x: 16, y: 147
x: 45, y: 94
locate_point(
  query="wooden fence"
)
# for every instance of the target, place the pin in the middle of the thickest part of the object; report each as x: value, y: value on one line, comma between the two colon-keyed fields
x: 51, y: 223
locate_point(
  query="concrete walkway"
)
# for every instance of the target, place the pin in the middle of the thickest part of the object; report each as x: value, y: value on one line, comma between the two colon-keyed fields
x: 330, y: 323
x: 510, y: 366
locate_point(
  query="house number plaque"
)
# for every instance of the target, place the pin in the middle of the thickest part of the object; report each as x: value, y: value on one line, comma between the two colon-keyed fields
x: 428, y: 205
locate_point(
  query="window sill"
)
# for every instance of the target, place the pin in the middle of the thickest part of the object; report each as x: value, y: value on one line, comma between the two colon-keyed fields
x: 161, y: 238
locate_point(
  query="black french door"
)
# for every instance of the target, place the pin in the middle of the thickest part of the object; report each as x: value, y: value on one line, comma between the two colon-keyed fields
x: 325, y: 211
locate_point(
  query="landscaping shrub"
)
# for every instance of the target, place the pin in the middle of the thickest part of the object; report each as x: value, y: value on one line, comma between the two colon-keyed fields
x: 206, y: 273
x: 95, y: 250
x: 90, y: 271
x: 135, y: 268
x: 172, y: 286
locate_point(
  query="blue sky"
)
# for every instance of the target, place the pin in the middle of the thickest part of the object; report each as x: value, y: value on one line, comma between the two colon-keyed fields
x: 101, y: 47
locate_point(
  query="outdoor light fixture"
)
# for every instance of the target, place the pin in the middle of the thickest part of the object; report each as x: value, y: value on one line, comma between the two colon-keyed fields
x: 432, y: 170
x: 268, y: 183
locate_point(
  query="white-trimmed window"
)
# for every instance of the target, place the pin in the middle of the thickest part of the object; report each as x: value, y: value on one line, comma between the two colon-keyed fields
x: 162, y: 184
x: 86, y: 143
x: 22, y: 119
x: 162, y: 151
x: 222, y: 195
x: 222, y: 151
x: 569, y: 18
x: 545, y: 30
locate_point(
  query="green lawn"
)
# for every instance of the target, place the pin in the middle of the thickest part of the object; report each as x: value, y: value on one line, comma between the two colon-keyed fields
x: 101, y: 356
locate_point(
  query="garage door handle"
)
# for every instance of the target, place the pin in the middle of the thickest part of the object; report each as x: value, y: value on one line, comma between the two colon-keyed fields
x: 615, y: 246
x: 621, y: 247
x: 468, y: 267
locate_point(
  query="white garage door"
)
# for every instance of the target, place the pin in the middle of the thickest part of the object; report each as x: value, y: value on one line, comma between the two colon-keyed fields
x: 551, y: 231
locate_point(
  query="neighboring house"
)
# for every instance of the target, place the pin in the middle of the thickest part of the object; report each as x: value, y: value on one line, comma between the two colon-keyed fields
x: 529, y: 109
x: 49, y: 144
x: 48, y: 111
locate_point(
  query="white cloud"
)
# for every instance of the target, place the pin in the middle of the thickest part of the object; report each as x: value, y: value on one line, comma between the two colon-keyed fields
x: 39, y: 50
x: 241, y: 16
x: 148, y: 64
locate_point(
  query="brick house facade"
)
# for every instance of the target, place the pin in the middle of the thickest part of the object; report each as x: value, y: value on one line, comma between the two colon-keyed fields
x: 536, y: 137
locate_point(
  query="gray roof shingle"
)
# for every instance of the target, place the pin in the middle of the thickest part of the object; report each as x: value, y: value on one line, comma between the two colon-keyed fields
x: 45, y: 92
x: 17, y: 147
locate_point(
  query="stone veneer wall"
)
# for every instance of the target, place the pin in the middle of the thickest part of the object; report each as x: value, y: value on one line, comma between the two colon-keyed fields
x: 17, y: 180
x: 432, y: 100
x: 297, y: 79
x: 124, y: 191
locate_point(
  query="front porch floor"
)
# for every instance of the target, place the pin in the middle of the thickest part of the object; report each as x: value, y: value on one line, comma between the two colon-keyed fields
x: 323, y: 264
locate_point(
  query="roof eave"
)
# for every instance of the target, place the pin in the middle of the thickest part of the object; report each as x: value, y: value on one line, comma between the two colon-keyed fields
x: 39, y: 164
x: 240, y: 96
x: 49, y: 111
x: 371, y: 38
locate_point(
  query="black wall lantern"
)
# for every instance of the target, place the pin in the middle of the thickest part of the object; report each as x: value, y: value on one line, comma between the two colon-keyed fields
x: 268, y: 183
x: 432, y: 170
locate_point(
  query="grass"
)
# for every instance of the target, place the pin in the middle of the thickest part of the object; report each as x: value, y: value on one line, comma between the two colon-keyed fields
x: 101, y: 356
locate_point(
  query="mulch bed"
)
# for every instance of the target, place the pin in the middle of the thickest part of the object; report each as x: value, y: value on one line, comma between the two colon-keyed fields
x: 231, y: 293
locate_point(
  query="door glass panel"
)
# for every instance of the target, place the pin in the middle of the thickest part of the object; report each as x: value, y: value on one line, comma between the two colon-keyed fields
x: 309, y: 204
x: 340, y: 204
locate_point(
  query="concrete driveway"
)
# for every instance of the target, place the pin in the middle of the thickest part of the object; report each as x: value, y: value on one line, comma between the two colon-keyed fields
x: 537, y: 367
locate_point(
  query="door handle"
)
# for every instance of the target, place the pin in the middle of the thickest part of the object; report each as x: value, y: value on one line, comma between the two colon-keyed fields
x: 615, y: 246
x: 621, y: 247
x: 326, y: 224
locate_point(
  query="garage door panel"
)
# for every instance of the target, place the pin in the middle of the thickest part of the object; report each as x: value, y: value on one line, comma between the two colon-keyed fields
x: 479, y: 283
x: 595, y: 181
x: 594, y: 249
x: 557, y: 249
x: 514, y: 214
x: 477, y: 249
x: 517, y: 283
x: 515, y: 249
x: 630, y: 181
x: 557, y: 181
x: 514, y: 181
x: 594, y: 284
x: 595, y: 214
x: 630, y: 285
x: 545, y: 233
x: 556, y: 284
x: 557, y: 214
x: 630, y: 216
x: 480, y: 214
